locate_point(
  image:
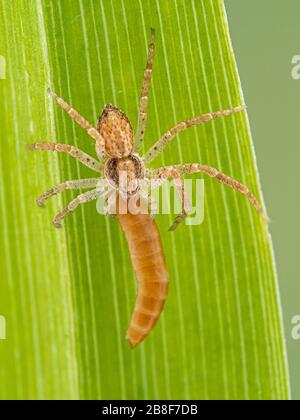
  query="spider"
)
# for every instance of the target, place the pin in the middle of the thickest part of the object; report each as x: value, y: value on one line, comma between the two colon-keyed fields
x: 118, y: 150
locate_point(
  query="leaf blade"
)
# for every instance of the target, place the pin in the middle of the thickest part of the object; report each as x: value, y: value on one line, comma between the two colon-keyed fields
x: 223, y: 305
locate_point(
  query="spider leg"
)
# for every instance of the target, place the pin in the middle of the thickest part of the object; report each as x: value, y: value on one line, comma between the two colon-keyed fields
x: 159, y: 146
x: 92, y: 132
x: 71, y: 150
x: 151, y: 201
x: 80, y: 199
x: 161, y: 175
x: 193, y: 168
x: 142, y: 115
x: 110, y: 201
x: 67, y: 185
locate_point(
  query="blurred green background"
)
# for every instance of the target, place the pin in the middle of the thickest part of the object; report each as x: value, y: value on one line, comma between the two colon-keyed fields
x: 265, y: 36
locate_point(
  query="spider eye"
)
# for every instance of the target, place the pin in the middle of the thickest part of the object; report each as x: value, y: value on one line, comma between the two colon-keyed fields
x: 117, y: 132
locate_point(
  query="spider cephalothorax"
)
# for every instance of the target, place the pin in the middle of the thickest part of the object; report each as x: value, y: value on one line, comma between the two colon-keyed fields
x: 123, y: 169
x: 125, y: 172
x: 118, y: 153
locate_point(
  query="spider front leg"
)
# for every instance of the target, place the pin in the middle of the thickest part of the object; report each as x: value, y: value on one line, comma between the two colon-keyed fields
x: 193, y: 168
x: 67, y: 185
x: 142, y: 115
x: 159, y: 177
x: 80, y: 199
x: 78, y: 154
x: 79, y: 119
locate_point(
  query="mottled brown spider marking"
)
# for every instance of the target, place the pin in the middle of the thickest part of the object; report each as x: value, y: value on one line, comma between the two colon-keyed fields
x: 117, y: 132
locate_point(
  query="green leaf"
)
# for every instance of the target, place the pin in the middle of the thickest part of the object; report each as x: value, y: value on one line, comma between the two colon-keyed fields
x: 67, y: 295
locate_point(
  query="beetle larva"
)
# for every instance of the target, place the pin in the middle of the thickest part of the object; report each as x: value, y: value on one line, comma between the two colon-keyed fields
x: 149, y: 264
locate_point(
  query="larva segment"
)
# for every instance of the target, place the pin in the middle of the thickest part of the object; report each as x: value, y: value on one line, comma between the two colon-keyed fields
x: 116, y: 130
x: 149, y: 265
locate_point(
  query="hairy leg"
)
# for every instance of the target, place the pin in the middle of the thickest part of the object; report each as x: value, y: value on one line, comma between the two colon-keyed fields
x: 150, y: 200
x: 161, y: 175
x: 72, y: 151
x: 92, y: 132
x: 142, y: 115
x: 80, y: 199
x: 159, y: 146
x: 67, y: 185
x: 221, y: 177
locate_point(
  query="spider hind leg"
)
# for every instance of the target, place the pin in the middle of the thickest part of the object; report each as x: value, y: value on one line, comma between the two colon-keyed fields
x: 80, y: 199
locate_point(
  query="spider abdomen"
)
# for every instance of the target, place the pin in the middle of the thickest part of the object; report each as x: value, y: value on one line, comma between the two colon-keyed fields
x: 149, y: 265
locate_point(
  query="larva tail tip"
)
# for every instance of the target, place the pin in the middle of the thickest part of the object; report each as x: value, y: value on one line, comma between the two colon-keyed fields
x: 132, y: 343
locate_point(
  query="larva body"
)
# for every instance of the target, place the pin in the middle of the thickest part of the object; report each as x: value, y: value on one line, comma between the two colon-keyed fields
x: 149, y: 265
